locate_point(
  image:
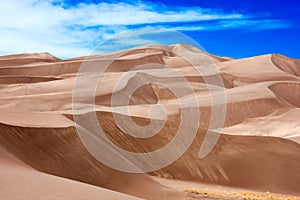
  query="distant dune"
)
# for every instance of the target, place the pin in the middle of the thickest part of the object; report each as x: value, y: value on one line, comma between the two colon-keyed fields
x: 43, y: 157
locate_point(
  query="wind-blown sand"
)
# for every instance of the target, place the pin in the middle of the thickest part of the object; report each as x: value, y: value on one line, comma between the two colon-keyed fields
x: 257, y: 154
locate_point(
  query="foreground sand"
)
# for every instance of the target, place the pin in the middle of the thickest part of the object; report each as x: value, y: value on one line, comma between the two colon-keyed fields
x: 258, y: 150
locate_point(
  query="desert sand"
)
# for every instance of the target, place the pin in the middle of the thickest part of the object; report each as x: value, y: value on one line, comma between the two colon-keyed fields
x: 257, y: 154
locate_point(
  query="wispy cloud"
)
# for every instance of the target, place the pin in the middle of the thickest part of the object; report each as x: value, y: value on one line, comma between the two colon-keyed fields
x: 73, y: 30
x: 243, y: 24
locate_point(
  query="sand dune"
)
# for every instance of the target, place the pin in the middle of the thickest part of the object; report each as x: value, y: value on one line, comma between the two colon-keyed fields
x: 258, y: 149
x: 27, y: 58
x: 19, y: 181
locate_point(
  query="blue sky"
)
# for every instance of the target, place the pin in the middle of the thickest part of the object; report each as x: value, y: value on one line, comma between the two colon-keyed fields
x: 68, y: 28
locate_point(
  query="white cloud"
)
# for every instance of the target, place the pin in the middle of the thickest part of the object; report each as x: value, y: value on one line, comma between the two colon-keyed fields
x: 255, y: 25
x: 250, y: 25
x: 30, y: 13
x: 68, y: 31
